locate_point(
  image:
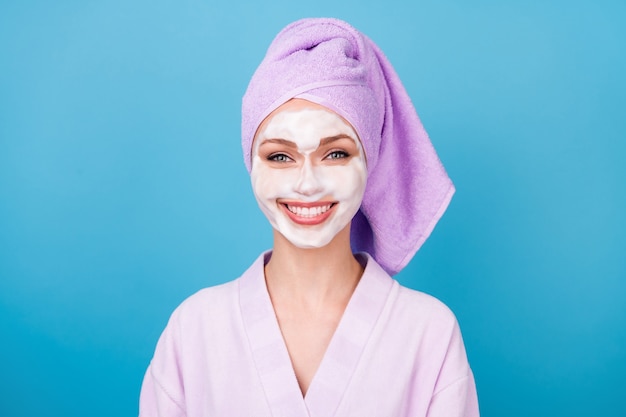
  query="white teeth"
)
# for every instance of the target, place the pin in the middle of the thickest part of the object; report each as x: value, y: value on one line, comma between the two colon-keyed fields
x: 308, y: 211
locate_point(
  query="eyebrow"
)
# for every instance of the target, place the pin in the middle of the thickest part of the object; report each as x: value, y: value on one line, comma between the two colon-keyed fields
x: 324, y: 141
x: 331, y: 139
x: 279, y: 141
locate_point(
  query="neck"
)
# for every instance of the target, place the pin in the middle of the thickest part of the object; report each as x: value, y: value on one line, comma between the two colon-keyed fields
x: 313, y: 277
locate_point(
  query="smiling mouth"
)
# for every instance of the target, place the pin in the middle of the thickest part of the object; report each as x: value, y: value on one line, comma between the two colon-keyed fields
x: 308, y: 214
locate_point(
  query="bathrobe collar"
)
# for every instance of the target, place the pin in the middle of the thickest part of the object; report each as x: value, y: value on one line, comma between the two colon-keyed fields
x: 342, y: 355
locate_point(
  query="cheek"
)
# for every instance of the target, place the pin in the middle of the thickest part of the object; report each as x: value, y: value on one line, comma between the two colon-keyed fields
x: 346, y: 181
x: 270, y: 183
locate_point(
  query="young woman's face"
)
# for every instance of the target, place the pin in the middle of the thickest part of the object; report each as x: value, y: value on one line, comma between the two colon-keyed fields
x: 308, y: 172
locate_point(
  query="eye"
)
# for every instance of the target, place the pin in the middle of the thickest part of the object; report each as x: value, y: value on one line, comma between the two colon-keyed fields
x: 337, y: 155
x: 279, y: 157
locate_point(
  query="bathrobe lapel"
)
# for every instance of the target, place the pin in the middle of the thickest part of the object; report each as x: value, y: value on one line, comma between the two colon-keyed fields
x: 268, y: 347
x: 342, y: 355
x: 346, y: 346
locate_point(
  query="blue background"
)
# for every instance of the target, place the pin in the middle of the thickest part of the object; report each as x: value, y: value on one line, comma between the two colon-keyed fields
x: 122, y: 188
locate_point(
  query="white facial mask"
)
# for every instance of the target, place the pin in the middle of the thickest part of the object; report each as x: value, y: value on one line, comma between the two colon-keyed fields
x: 308, y: 194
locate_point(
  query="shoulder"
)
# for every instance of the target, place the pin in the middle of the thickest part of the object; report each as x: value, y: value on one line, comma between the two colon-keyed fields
x: 423, y: 321
x: 205, y: 317
x: 425, y: 306
x: 210, y: 296
x: 407, y: 306
x: 216, y: 308
x: 431, y: 331
x: 207, y: 304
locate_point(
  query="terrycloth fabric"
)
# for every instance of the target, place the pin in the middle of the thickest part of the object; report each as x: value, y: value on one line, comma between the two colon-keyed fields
x: 330, y: 63
x: 395, y: 353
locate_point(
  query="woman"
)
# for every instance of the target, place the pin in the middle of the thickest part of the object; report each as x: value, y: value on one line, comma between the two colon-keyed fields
x: 338, y: 161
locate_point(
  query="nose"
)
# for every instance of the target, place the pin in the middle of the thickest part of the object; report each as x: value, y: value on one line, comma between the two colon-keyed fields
x: 308, y: 183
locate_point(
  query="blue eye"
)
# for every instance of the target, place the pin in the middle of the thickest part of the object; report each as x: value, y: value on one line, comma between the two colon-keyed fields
x: 279, y: 157
x: 337, y: 155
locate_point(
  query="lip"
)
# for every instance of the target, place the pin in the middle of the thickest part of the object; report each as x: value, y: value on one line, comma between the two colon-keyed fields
x: 310, y: 220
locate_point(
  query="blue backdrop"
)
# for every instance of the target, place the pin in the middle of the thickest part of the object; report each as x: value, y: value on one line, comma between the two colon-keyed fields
x: 122, y: 187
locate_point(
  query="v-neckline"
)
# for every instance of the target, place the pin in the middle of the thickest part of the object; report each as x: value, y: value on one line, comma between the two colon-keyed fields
x: 342, y: 355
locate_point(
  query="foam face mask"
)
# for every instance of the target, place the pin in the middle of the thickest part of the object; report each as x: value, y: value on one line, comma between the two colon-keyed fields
x: 308, y: 174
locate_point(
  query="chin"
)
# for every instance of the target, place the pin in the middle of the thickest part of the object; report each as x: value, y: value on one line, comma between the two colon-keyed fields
x: 302, y: 238
x: 308, y: 243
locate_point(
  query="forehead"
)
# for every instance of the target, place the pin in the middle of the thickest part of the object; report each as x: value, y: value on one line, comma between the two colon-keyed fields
x: 306, y: 124
x: 303, y: 116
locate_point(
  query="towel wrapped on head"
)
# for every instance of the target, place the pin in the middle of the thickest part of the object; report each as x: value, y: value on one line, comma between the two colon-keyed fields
x: 328, y: 62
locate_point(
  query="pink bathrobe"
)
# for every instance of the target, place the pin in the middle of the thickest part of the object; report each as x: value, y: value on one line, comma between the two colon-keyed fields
x: 396, y: 352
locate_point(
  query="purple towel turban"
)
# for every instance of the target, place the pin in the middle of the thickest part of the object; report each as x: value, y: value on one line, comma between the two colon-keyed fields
x: 328, y: 62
